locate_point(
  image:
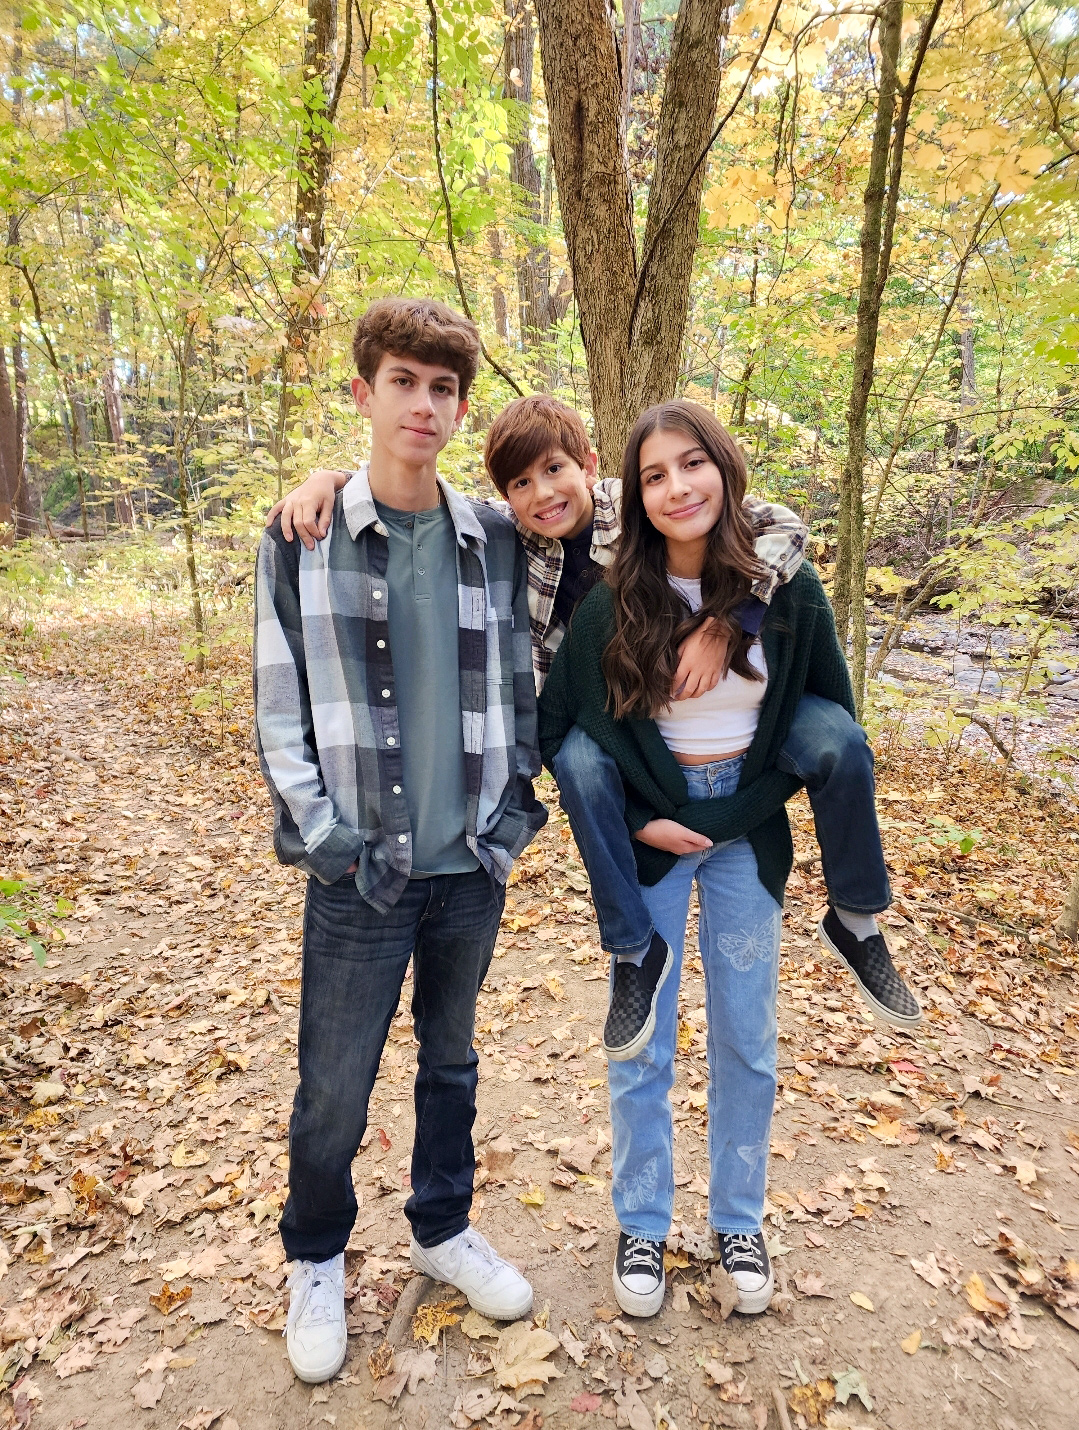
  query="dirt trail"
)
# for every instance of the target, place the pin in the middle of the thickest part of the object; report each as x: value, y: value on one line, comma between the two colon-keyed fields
x: 166, y: 1027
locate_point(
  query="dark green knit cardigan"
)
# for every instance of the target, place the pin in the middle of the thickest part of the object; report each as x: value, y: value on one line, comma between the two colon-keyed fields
x: 803, y: 655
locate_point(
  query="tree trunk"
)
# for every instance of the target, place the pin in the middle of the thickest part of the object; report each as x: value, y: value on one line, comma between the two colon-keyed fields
x: 1067, y: 926
x: 114, y: 409
x: 881, y: 203
x: 632, y: 331
x: 10, y: 474
x: 850, y: 557
x: 179, y: 446
x: 584, y: 107
x: 539, y: 308
x: 323, y: 81
x: 498, y: 293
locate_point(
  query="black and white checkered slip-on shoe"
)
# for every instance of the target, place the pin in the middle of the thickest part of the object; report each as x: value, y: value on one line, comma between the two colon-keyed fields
x: 871, y: 963
x: 639, y: 1282
x: 744, y: 1257
x: 631, y: 1018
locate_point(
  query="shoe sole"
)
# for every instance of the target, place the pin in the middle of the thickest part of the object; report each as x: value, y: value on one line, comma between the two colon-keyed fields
x: 633, y: 1303
x: 630, y: 1050
x: 489, y: 1309
x: 753, y: 1303
x: 317, y: 1377
x: 897, y: 1020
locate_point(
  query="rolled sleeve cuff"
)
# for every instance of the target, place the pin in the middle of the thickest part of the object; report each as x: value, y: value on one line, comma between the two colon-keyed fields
x: 329, y: 860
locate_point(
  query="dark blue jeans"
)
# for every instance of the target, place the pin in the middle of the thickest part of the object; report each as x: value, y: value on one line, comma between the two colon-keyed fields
x: 354, y: 963
x: 825, y: 748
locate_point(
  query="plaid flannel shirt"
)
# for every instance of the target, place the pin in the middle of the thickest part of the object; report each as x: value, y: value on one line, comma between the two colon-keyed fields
x: 326, y: 719
x: 780, y: 546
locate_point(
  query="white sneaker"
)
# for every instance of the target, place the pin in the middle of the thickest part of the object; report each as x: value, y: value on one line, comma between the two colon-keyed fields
x: 315, y: 1334
x: 469, y: 1262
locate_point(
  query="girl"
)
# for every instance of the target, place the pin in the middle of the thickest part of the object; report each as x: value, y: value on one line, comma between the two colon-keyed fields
x: 699, y: 767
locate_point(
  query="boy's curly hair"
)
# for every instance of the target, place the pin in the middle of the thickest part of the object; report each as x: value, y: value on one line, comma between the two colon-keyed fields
x: 421, y: 328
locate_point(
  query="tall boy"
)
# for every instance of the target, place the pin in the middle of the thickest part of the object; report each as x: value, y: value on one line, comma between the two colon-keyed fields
x: 396, y: 727
x: 539, y: 457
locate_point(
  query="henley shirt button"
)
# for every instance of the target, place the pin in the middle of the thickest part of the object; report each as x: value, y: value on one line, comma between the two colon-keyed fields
x: 422, y: 571
x: 397, y: 789
x: 402, y: 839
x: 385, y: 694
x: 377, y: 595
x: 390, y: 740
x: 381, y: 645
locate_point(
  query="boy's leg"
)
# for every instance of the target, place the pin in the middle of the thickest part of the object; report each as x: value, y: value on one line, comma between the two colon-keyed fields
x: 454, y: 944
x: 829, y: 752
x: 354, y: 962
x: 593, y: 797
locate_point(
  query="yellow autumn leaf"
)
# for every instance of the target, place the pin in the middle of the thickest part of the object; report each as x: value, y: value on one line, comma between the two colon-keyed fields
x: 685, y: 1035
x: 911, y: 1343
x: 989, y: 1303
x: 534, y: 1197
x: 429, y: 1320
x: 861, y: 1299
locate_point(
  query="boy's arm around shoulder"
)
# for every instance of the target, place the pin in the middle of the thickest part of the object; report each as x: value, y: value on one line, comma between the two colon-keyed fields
x: 307, y: 829
x: 780, y: 544
x: 524, y: 815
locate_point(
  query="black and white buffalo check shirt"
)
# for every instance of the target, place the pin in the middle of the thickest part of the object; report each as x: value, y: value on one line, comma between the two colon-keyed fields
x: 326, y: 720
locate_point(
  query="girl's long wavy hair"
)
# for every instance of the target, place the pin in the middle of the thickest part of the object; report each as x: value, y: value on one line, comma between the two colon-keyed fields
x: 651, y: 618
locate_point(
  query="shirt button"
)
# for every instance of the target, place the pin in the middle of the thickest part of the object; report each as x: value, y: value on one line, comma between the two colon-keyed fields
x: 385, y: 695
x: 390, y: 740
x: 377, y: 595
x: 381, y: 645
x: 402, y: 839
x: 397, y: 789
x: 422, y: 571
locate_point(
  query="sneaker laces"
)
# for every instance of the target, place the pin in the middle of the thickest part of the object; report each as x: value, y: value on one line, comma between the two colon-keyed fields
x: 482, y: 1249
x: 643, y: 1253
x: 742, y: 1247
x: 312, y: 1295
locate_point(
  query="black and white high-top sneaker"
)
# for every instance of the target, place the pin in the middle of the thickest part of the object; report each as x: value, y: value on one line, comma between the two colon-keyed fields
x: 744, y: 1256
x: 631, y: 1018
x: 639, y: 1282
x: 871, y: 963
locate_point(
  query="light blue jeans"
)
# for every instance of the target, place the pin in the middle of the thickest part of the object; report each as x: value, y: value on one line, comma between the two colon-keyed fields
x: 739, y: 940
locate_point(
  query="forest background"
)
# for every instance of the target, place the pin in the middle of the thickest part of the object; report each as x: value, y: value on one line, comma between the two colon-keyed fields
x: 847, y: 229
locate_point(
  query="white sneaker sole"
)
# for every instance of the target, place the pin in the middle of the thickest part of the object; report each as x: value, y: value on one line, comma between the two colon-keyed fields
x: 315, y: 1375
x: 644, y: 1037
x: 753, y: 1303
x: 632, y: 1302
x: 494, y: 1310
x: 888, y: 1015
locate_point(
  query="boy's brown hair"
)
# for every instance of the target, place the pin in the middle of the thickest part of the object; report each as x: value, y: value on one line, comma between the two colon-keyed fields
x: 529, y: 428
x: 421, y: 328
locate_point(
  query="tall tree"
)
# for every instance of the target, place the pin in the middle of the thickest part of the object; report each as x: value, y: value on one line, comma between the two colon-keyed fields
x: 880, y: 205
x: 632, y: 302
x: 540, y: 306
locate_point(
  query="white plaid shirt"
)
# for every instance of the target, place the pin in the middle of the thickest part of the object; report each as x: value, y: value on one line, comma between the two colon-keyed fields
x: 326, y: 720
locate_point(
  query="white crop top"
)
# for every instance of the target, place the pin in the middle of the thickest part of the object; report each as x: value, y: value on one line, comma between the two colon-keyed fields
x: 724, y: 720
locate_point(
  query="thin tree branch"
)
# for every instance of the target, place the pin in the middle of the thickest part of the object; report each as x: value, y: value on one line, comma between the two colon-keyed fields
x: 446, y: 202
x: 646, y: 261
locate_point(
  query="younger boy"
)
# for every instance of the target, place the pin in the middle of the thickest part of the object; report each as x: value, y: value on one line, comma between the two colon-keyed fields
x: 539, y: 457
x: 395, y: 713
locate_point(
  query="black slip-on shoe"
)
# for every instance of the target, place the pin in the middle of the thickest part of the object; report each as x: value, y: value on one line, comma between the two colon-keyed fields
x: 871, y: 963
x: 639, y: 1282
x: 631, y: 1018
x: 744, y: 1257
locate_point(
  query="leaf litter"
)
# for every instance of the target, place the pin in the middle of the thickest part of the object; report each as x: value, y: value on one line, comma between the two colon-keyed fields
x: 148, y: 1072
